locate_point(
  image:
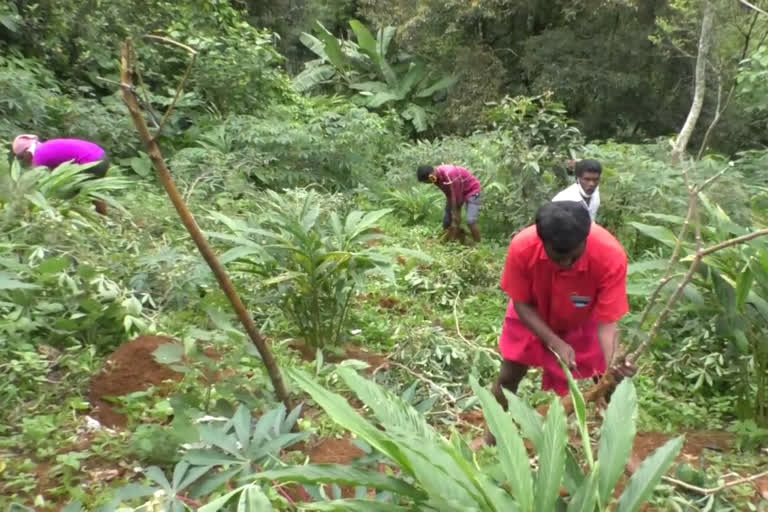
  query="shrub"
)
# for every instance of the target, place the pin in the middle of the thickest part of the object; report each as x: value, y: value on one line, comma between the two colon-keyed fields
x: 312, y: 262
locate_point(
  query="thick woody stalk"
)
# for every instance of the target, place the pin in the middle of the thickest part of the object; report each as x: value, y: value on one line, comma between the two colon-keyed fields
x: 153, y: 150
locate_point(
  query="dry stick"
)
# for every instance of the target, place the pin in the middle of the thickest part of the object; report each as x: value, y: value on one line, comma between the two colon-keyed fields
x: 609, y: 379
x: 714, y: 490
x: 127, y: 57
x: 452, y: 399
x: 465, y: 340
x: 675, y: 253
x: 756, y: 8
x: 181, y: 83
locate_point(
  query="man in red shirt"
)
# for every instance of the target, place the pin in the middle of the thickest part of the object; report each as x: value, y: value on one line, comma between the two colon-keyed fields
x: 459, y: 187
x: 565, y: 277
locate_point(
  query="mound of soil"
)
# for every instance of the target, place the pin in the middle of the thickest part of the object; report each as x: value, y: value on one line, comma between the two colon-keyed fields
x: 128, y: 369
x: 308, y: 354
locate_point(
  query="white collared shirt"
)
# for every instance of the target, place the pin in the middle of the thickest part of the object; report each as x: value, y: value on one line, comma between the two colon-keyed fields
x: 572, y: 193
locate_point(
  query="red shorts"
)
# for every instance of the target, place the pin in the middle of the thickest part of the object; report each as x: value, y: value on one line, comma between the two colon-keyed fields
x: 518, y: 344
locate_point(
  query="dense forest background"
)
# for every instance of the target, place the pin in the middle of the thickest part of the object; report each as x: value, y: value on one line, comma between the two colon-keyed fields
x: 294, y: 142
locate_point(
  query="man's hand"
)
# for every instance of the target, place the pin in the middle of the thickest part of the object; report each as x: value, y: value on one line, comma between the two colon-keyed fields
x: 566, y: 353
x: 623, y: 369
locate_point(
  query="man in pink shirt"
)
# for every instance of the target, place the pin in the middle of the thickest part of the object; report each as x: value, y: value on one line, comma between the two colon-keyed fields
x: 52, y: 153
x: 460, y: 187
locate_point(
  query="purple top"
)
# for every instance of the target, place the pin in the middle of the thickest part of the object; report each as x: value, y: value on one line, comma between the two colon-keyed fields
x: 452, y: 178
x: 54, y: 152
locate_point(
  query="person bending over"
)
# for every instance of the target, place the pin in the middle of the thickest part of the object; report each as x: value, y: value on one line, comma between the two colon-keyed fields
x: 54, y: 152
x: 566, y: 281
x: 460, y: 187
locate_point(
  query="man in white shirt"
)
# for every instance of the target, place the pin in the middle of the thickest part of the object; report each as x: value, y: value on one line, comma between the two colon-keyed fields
x: 585, y: 190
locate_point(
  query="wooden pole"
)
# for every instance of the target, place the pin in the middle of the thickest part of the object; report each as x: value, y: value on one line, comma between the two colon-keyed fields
x: 153, y: 150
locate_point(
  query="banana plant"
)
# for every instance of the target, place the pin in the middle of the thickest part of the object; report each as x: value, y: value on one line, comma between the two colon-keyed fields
x: 375, y: 79
x: 437, y: 473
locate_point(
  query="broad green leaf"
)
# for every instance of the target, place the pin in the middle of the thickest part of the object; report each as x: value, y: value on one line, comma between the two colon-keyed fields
x: 573, y: 478
x: 365, y: 40
x: 156, y: 474
x: 8, y: 283
x: 644, y: 481
x: 340, y: 474
x: 382, y: 98
x: 442, y: 472
x: 551, y: 457
x: 218, y: 504
x: 190, y: 476
x: 675, y: 220
x: 169, y: 353
x: 214, y: 482
x: 356, y: 505
x: 243, y: 252
x: 645, y: 266
x: 242, y: 424
x: 415, y: 74
x: 371, y: 87
x: 616, y: 435
x: 444, y: 83
x: 314, y: 44
x: 658, y: 233
x: 342, y: 413
x: 384, y: 38
x: 313, y: 76
x: 510, y: 447
x: 743, y: 286
x: 332, y: 48
x: 580, y: 409
x: 205, y: 457
x: 253, y: 499
x: 585, y: 498
x: 73, y: 506
x: 285, y: 276
x: 417, y: 115
x: 53, y: 265
x: 391, y: 411
x: 529, y: 420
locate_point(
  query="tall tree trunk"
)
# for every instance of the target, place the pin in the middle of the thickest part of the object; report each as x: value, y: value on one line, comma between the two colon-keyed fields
x: 700, y: 83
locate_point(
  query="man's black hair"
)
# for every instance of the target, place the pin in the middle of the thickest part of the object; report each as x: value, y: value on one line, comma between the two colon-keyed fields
x: 423, y: 172
x: 563, y: 225
x: 588, y: 165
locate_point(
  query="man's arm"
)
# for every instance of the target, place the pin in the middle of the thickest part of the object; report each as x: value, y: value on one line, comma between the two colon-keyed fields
x: 541, y: 330
x: 608, y: 336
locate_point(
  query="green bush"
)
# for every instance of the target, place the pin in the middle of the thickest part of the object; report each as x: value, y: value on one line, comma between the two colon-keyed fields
x: 314, y: 141
x: 311, y: 262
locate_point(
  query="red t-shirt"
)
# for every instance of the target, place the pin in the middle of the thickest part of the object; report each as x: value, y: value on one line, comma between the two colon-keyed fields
x: 452, y: 178
x: 592, y: 289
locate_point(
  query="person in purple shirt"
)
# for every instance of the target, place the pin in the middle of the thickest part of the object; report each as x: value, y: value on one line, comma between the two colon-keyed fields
x: 460, y: 187
x: 54, y: 152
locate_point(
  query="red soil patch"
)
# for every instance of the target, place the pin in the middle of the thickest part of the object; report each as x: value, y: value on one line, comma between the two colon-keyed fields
x: 335, y: 451
x: 308, y: 354
x: 393, y: 304
x: 761, y: 486
x: 128, y: 369
x: 694, y: 446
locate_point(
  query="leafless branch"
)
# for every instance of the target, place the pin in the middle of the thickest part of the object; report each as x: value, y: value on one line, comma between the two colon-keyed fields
x: 127, y: 68
x: 465, y: 340
x: 180, y: 87
x: 714, y: 490
x: 753, y: 7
